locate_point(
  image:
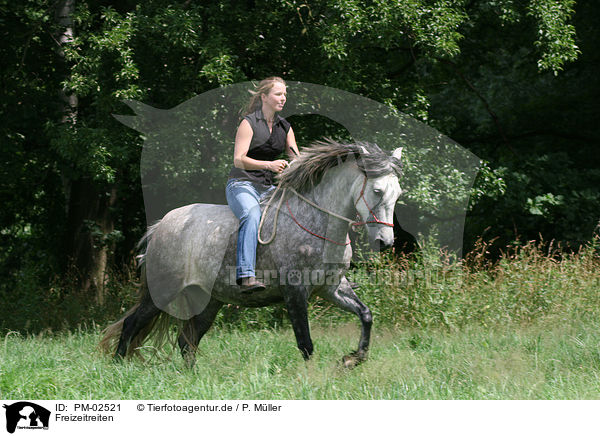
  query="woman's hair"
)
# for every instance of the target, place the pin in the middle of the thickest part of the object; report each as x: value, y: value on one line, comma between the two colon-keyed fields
x: 264, y: 86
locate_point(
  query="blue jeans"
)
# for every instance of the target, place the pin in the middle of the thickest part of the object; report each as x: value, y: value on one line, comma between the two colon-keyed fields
x: 243, y: 198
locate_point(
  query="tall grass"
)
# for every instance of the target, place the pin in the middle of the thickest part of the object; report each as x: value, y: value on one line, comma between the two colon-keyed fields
x: 525, y: 284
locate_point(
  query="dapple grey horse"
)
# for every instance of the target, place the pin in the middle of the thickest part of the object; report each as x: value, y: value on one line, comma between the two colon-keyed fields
x: 187, y: 266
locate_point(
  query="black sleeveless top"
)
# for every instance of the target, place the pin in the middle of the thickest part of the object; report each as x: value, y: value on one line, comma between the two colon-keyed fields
x: 264, y: 145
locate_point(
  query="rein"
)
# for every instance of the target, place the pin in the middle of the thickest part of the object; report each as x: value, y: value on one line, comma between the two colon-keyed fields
x: 352, y: 223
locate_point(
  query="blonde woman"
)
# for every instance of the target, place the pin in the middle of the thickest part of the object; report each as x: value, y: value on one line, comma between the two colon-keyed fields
x: 261, y: 137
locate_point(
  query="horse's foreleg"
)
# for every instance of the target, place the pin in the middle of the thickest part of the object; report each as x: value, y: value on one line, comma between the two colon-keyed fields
x: 345, y: 298
x: 195, y: 329
x: 134, y: 323
x: 296, y: 302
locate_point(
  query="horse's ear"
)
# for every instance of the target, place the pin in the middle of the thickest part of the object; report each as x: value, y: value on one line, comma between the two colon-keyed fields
x: 397, y: 153
x: 352, y: 157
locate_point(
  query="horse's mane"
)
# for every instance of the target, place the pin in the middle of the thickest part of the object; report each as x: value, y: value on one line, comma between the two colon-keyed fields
x: 320, y: 156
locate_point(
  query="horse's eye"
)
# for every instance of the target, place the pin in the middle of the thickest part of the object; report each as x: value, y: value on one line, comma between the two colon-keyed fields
x: 377, y: 191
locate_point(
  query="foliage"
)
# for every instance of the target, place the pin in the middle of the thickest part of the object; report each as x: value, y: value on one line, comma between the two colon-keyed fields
x: 514, y: 82
x: 556, y: 38
x: 531, y: 126
x: 34, y: 304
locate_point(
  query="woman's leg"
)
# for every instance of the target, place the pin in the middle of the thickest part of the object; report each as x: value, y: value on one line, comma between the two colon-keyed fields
x: 243, y: 199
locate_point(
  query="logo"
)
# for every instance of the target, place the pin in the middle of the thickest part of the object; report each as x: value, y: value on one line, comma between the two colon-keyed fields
x: 26, y: 415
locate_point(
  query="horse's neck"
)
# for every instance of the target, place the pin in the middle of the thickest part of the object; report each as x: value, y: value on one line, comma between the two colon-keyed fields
x: 334, y: 192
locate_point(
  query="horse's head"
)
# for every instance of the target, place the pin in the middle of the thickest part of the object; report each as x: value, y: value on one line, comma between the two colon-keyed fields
x: 371, y: 172
x: 375, y: 199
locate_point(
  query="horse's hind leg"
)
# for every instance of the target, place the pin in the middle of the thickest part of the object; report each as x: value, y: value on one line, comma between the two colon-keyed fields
x: 296, y: 302
x: 134, y: 323
x: 195, y: 329
x: 345, y: 298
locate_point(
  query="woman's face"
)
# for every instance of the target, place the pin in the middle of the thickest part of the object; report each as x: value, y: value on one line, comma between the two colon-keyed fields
x: 276, y: 97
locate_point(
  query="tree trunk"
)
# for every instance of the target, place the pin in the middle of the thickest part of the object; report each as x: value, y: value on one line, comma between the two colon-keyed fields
x: 64, y: 9
x: 89, y: 222
x: 89, y: 219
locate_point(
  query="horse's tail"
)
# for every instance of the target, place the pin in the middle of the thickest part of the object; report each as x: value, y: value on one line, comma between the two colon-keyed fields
x: 158, y: 326
x: 143, y: 243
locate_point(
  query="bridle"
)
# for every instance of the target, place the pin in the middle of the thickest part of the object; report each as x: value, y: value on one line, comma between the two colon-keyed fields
x: 377, y: 220
x: 351, y: 223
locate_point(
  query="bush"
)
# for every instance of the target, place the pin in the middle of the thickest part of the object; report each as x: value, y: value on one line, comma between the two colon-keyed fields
x: 31, y: 303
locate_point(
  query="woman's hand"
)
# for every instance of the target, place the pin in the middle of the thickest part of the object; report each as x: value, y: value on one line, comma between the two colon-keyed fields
x: 277, y: 166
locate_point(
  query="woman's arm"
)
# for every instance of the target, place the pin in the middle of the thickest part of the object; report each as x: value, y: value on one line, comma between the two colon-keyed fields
x: 243, y: 137
x: 290, y: 145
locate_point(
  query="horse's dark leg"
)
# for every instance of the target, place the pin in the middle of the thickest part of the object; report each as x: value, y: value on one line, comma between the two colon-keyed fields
x: 345, y: 298
x: 195, y: 328
x: 134, y: 323
x: 296, y: 301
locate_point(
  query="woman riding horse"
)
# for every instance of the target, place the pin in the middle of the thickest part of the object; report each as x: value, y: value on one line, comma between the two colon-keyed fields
x: 261, y: 137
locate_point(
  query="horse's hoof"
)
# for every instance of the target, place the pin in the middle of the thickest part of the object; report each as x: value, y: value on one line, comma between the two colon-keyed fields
x: 352, y: 360
x: 349, y: 362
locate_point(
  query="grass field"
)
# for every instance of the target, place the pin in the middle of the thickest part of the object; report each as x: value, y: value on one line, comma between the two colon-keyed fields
x: 544, y: 361
x: 524, y: 326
